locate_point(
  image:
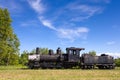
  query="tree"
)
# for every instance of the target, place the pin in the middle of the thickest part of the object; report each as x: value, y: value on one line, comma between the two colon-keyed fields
x: 92, y: 53
x: 9, y: 43
x: 42, y: 51
x: 24, y: 58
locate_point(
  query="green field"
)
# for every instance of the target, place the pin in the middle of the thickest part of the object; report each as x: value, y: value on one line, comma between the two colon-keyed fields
x: 22, y: 73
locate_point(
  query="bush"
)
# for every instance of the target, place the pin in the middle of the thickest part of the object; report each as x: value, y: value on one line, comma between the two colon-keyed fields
x: 117, y: 62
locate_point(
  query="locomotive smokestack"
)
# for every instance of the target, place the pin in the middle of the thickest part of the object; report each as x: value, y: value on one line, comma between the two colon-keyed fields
x: 37, y: 50
x: 50, y: 52
x: 58, y: 50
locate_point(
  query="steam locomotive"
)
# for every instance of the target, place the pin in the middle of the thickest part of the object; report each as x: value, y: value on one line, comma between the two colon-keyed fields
x: 69, y: 59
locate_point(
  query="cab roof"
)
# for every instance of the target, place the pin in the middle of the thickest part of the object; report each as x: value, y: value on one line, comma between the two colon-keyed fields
x: 74, y: 48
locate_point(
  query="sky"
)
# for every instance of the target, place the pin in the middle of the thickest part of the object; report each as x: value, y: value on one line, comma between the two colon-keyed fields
x: 90, y: 24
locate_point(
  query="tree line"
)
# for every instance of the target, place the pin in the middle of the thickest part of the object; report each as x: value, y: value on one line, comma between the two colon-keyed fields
x: 9, y: 44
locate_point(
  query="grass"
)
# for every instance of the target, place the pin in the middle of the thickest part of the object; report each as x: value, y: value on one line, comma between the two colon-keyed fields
x: 18, y: 67
x: 22, y: 73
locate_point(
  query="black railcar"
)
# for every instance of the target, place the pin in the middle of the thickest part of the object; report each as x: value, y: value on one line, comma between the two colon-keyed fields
x: 69, y: 59
x: 102, y: 62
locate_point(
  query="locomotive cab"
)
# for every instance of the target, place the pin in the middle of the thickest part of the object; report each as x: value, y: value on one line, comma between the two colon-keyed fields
x: 73, y: 54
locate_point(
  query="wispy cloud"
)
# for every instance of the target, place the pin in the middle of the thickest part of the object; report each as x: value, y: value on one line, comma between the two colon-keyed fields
x: 111, y: 43
x: 73, y: 33
x: 83, y: 11
x: 78, y: 11
x: 11, y: 5
x: 84, y: 8
x: 69, y: 13
x: 70, y: 34
x: 37, y: 5
x: 46, y: 23
x: 29, y: 23
x: 100, y: 1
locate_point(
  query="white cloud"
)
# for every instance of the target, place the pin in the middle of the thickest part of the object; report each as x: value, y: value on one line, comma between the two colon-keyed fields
x: 29, y: 23
x: 39, y: 8
x: 70, y: 34
x: 37, y: 5
x: 84, y: 11
x: 73, y: 33
x: 46, y: 23
x: 84, y: 8
x: 11, y: 5
x: 111, y: 43
x: 99, y: 1
x: 115, y: 55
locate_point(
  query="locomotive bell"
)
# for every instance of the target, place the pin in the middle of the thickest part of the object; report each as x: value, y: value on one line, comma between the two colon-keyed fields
x: 37, y: 50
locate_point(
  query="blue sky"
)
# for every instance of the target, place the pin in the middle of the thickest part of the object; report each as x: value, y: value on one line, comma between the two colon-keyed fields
x: 91, y: 24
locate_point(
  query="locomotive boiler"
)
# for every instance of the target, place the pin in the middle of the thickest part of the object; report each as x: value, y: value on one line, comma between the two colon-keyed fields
x: 69, y: 59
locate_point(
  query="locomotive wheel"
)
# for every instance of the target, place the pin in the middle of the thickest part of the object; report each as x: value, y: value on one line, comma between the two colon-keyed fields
x: 85, y: 67
x: 100, y: 67
x: 111, y: 67
x: 89, y: 67
x: 58, y: 65
x: 82, y: 67
x: 92, y: 66
x: 31, y: 66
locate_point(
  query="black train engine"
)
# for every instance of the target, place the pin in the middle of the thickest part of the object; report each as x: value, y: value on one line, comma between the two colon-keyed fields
x: 67, y: 60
